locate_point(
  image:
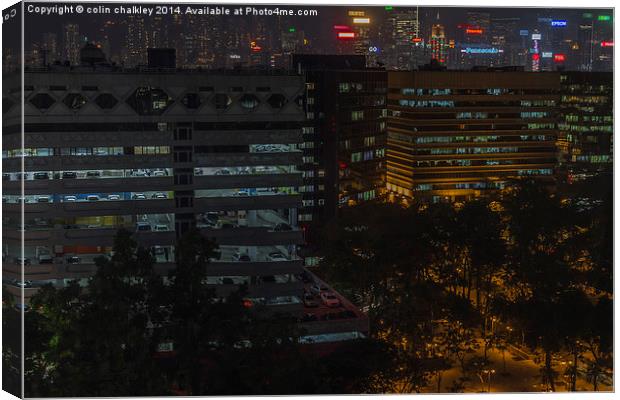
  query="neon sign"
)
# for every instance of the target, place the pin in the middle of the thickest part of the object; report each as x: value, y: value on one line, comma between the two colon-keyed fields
x: 346, y: 35
x: 558, y: 22
x: 478, y: 50
x: 559, y: 57
x: 473, y: 31
x: 361, y: 20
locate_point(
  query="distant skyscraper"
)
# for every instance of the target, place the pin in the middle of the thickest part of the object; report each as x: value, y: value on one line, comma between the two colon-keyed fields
x: 71, y: 43
x: 438, y: 43
x: 136, y: 41
x: 49, y: 47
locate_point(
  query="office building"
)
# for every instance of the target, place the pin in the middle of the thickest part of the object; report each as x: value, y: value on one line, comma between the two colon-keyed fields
x: 586, y: 121
x: 345, y: 145
x: 454, y: 135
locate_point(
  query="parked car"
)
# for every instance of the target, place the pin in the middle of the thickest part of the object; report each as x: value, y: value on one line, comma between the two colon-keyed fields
x: 24, y: 284
x: 159, y: 172
x: 143, y: 226
x: 282, y: 227
x: 139, y: 196
x: 69, y: 175
x: 93, y: 174
x: 318, y: 288
x: 73, y: 260
x: 20, y: 260
x: 46, y: 259
x: 159, y: 195
x: 70, y: 198
x: 241, y: 257
x: 276, y: 256
x: 41, y: 175
x: 161, y: 227
x: 114, y: 197
x: 309, y: 301
x: 329, y: 299
x: 43, y: 199
x: 243, y: 192
x: 92, y: 197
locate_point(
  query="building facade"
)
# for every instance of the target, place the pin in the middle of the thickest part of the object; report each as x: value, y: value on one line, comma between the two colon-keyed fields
x: 345, y: 155
x: 454, y: 135
x: 586, y: 121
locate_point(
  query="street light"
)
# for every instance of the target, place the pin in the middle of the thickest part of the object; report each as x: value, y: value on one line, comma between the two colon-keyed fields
x: 489, y: 372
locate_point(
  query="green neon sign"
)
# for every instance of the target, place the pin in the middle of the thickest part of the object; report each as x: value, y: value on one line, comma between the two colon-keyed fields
x: 291, y: 29
x: 604, y: 17
x: 388, y: 8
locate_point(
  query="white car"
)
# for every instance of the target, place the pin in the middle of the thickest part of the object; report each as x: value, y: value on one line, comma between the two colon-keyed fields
x: 159, y: 172
x: 159, y: 195
x: 114, y: 197
x: 329, y: 299
x: 243, y: 192
x: 276, y: 256
x: 70, y: 198
x: 139, y: 196
x: 161, y: 227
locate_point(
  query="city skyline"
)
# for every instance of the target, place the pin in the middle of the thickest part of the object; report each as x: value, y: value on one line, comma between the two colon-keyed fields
x: 392, y: 37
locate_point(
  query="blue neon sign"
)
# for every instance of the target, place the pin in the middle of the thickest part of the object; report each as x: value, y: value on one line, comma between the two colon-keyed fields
x: 558, y: 22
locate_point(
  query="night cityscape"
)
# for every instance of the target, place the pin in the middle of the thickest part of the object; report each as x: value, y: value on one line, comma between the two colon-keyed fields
x: 208, y: 200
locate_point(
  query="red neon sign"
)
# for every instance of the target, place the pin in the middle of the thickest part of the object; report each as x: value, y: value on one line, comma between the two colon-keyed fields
x: 342, y: 28
x: 416, y: 40
x: 346, y: 35
x: 559, y: 57
x: 473, y: 31
x: 535, y: 56
x: 607, y: 44
x: 256, y: 49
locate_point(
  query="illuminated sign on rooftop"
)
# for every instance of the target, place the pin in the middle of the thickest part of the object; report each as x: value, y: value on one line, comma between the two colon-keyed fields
x: 604, y: 17
x: 607, y: 44
x: 342, y: 27
x: 481, y: 50
x: 558, y: 22
x: 559, y: 57
x: 547, y: 54
x: 356, y: 13
x: 473, y: 31
x: 388, y: 8
x: 361, y: 20
x: 536, y: 36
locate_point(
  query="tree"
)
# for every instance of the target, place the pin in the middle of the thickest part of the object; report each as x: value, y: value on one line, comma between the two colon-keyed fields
x: 98, y: 342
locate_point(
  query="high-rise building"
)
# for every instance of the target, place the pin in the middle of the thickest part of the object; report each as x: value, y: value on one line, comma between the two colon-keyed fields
x: 586, y: 121
x: 438, y: 43
x: 50, y: 47
x: 345, y: 142
x: 71, y: 43
x: 454, y: 135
